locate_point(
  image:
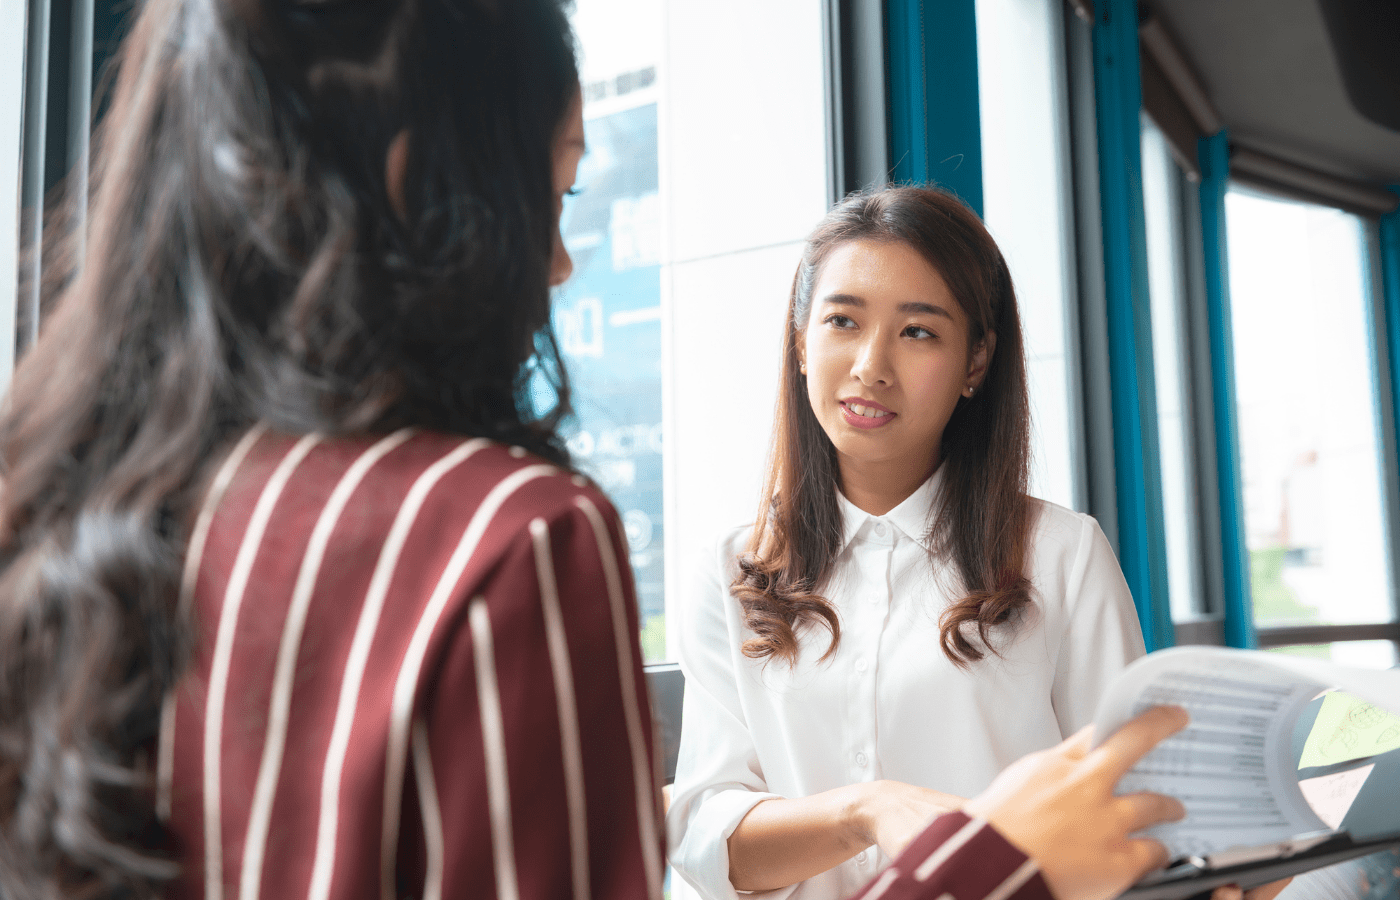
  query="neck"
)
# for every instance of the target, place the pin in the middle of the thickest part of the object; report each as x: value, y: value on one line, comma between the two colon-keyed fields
x: 877, y: 488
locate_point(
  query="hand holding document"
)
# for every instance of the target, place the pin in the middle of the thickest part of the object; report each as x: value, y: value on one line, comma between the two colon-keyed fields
x: 1233, y: 767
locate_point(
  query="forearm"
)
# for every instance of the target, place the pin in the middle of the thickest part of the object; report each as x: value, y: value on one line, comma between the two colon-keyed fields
x: 782, y: 842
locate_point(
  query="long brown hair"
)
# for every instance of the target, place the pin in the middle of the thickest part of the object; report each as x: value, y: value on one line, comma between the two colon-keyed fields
x: 247, y: 260
x: 983, y: 517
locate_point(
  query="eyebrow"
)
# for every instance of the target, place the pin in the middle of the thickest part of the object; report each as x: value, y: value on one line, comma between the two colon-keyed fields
x: 912, y: 307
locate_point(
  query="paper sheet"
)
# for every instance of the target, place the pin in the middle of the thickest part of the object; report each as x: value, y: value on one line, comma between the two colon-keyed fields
x: 1233, y: 766
x: 1331, y: 796
x: 1349, y: 728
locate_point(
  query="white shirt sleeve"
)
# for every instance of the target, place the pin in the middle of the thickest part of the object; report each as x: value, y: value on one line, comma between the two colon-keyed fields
x: 1101, y: 635
x: 718, y: 777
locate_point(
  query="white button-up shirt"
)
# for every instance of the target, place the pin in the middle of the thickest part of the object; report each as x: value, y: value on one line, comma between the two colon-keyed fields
x: 888, y: 704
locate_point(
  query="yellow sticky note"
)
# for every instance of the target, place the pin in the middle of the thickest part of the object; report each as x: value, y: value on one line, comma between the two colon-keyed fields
x: 1349, y: 728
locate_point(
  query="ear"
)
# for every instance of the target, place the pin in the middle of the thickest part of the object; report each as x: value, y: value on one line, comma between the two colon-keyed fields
x: 801, y: 341
x: 978, y: 362
x: 395, y: 170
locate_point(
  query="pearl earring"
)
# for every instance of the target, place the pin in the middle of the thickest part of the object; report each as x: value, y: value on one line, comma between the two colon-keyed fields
x: 802, y: 368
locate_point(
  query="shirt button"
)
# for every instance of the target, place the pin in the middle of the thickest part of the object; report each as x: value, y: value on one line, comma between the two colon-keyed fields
x: 880, y: 530
x: 861, y: 665
x: 861, y: 857
x: 860, y: 759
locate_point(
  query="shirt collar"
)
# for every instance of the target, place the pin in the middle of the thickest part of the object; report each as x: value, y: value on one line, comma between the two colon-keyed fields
x: 912, y: 517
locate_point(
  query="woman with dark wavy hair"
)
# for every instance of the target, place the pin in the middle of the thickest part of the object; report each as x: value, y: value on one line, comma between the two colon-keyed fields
x: 903, y: 620
x: 273, y: 501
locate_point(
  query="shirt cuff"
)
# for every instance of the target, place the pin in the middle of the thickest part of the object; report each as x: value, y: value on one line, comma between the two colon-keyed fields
x: 963, y: 857
x: 702, y: 857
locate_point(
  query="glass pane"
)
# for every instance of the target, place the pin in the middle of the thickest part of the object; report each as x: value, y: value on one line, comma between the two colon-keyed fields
x: 1307, y: 413
x: 608, y: 316
x: 682, y: 266
x: 1020, y: 71
x: 1161, y: 186
x: 12, y: 38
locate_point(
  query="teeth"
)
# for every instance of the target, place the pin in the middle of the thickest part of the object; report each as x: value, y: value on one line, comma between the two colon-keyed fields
x: 868, y: 412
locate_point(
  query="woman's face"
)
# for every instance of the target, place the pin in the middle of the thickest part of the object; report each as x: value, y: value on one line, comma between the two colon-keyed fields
x: 887, y: 357
x: 568, y: 150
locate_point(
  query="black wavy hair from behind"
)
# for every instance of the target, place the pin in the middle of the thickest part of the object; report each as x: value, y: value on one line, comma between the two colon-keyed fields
x: 243, y: 261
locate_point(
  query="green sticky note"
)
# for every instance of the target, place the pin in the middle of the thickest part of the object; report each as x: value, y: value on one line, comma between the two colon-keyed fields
x: 1349, y: 728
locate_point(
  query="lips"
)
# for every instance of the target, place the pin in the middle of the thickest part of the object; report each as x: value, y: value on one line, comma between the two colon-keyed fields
x: 863, y: 413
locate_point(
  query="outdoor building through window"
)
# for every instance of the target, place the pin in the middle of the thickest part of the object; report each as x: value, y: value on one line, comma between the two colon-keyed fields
x: 692, y: 202
x: 608, y: 316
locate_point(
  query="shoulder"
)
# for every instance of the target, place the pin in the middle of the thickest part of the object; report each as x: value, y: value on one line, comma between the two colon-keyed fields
x: 707, y: 598
x: 1058, y: 532
x: 435, y: 493
x: 1071, y: 562
x: 1069, y: 554
x: 722, y: 552
x: 501, y: 491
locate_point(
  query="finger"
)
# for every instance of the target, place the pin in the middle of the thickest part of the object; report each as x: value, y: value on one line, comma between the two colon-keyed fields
x: 1145, y: 810
x: 1227, y: 892
x: 1134, y: 740
x: 1267, y: 891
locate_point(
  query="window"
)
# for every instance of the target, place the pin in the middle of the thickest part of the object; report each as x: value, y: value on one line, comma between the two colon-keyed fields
x: 608, y: 316
x: 695, y: 196
x: 1307, y: 401
x: 12, y: 61
x: 1026, y: 182
x: 1162, y: 193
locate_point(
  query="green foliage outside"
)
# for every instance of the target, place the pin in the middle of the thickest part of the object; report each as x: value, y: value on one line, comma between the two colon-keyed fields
x: 1310, y: 651
x: 654, y: 639
x: 1274, y: 602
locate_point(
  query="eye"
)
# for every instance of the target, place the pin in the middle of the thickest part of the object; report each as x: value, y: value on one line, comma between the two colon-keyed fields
x: 836, y: 320
x: 919, y: 331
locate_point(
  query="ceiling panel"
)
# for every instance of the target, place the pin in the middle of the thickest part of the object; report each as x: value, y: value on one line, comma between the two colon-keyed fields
x: 1269, y: 69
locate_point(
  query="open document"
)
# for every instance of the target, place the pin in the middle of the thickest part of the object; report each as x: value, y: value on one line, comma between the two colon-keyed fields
x: 1235, y: 767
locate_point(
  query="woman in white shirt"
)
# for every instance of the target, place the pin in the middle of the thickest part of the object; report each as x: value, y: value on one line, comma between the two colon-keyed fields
x: 903, y: 621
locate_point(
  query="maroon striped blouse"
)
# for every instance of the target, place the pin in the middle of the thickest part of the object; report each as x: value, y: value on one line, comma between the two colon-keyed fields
x: 417, y: 675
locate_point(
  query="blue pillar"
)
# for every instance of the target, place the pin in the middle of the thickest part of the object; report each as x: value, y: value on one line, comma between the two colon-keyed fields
x: 1213, y: 154
x: 935, y: 122
x: 1142, y: 547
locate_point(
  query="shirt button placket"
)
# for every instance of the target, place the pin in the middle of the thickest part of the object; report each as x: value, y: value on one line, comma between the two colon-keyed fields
x: 865, y: 636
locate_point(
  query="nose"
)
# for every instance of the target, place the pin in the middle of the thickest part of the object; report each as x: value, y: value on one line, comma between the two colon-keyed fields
x: 561, y: 265
x: 872, y: 362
